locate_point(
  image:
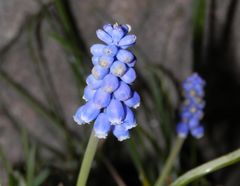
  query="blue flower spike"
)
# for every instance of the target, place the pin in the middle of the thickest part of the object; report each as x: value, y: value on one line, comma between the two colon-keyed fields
x: 192, y: 107
x: 108, y: 95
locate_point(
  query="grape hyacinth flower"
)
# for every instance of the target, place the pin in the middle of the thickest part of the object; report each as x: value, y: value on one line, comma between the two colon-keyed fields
x: 108, y: 94
x: 192, y: 107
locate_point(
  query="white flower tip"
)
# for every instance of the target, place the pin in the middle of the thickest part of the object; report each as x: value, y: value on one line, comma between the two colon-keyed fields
x: 136, y: 106
x: 85, y: 120
x: 182, y: 135
x: 115, y: 25
x: 100, y: 135
x: 122, y: 138
x: 84, y: 98
x: 79, y: 122
x: 131, y: 126
x: 115, y: 121
x: 129, y: 27
x: 198, y: 136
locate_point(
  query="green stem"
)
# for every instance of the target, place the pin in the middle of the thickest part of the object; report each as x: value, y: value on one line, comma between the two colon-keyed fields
x: 87, y: 160
x: 207, y: 168
x: 171, y: 159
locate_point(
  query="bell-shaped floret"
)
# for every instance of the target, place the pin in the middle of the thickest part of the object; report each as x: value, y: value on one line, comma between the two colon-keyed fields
x: 110, y: 50
x: 134, y: 101
x: 77, y: 116
x: 88, y: 93
x: 126, y: 28
x: 105, y: 37
x: 193, y: 122
x: 115, y: 112
x: 182, y: 130
x: 106, y: 61
x: 198, y: 131
x: 99, y: 72
x: 127, y: 41
x: 125, y: 56
x: 132, y: 64
x: 90, y: 112
x: 95, y: 60
x: 118, y: 68
x: 101, y: 126
x: 97, y: 49
x: 108, y: 28
x: 117, y: 33
x: 120, y: 132
x: 123, y: 92
x: 130, y: 76
x: 93, y: 83
x: 101, y: 98
x: 110, y: 83
x: 129, y: 121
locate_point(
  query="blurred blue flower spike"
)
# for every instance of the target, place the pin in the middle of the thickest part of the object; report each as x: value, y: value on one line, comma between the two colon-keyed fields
x: 108, y: 94
x: 192, y: 108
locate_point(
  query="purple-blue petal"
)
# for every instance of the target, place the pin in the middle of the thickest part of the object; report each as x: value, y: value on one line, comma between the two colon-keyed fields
x: 115, y: 112
x: 93, y: 83
x: 110, y: 50
x: 120, y: 132
x: 95, y: 60
x: 193, y: 122
x: 128, y: 40
x: 77, y: 116
x: 125, y: 56
x: 106, y: 61
x: 129, y: 76
x: 182, y: 130
x: 99, y: 72
x: 129, y: 121
x: 101, y: 98
x: 117, y: 33
x: 134, y: 101
x: 101, y: 126
x: 88, y: 93
x: 110, y: 83
x: 123, y: 92
x: 90, y: 112
x: 132, y: 64
x: 97, y: 49
x: 126, y: 28
x: 108, y: 28
x: 118, y: 68
x: 197, y: 132
x: 105, y: 37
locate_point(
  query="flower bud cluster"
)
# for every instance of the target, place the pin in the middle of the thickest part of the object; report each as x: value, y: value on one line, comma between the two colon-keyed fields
x: 192, y: 107
x: 108, y: 95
